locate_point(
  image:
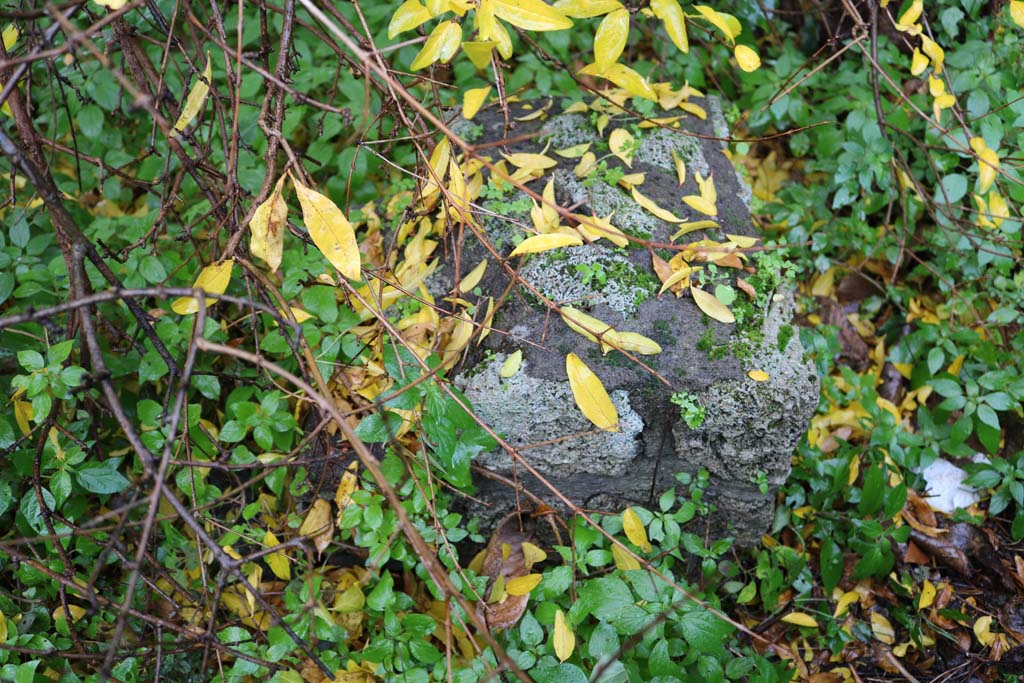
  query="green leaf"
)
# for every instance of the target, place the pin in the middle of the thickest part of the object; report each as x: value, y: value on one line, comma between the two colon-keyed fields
x: 563, y: 673
x: 947, y: 387
x: 706, y: 633
x: 873, y: 491
x: 379, y: 427
x: 102, y: 477
x: 58, y: 353
x: 31, y: 360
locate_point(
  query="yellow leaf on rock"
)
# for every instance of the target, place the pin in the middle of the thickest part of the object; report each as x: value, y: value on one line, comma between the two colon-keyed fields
x: 711, y: 305
x: 533, y: 162
x: 689, y: 226
x: 882, y: 628
x: 635, y: 530
x: 511, y: 364
x: 800, y: 619
x: 747, y: 58
x: 213, y: 279
x: 407, y: 17
x: 610, y: 38
x: 680, y: 168
x: 195, y: 100
x: 590, y: 395
x: 676, y: 277
x: 267, y: 227
x: 630, y: 81
x: 624, y: 560
x: 636, y: 343
x: 622, y: 144
x: 472, y: 278
x: 595, y: 227
x: 539, y: 243
x: 588, y: 326
x: 522, y: 585
x: 278, y: 562
x: 331, y: 232
x: 585, y: 9
x: 574, y: 152
x: 318, y: 524
x: 472, y: 100
x: 441, y: 45
x: 531, y: 15
x: 563, y: 637
x: 648, y: 204
x: 758, y: 375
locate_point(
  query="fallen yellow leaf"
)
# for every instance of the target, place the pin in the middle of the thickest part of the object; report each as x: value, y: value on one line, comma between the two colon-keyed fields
x: 590, y: 395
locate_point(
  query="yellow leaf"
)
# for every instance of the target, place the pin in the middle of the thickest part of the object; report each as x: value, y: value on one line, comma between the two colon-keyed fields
x: 747, y: 58
x: 690, y: 226
x: 278, y: 562
x: 346, y: 487
x: 23, y: 416
x: 676, y: 277
x: 584, y: 9
x: 532, y: 554
x: 629, y: 80
x: 1017, y: 12
x: 719, y: 21
x: 195, y: 100
x: 351, y: 600
x: 574, y: 152
x: 918, y: 63
x: 472, y: 100
x: 441, y: 45
x: 653, y: 208
x: 564, y: 639
x: 610, y: 38
x: 680, y: 168
x: 927, y: 595
x: 533, y: 162
x: 758, y: 375
x: 522, y: 585
x: 479, y: 52
x: 10, y: 37
x: 711, y: 306
x: 844, y: 602
x: 934, y: 52
x: 60, y: 615
x: 512, y: 364
x: 912, y: 14
x: 498, y: 593
x: 800, y: 619
x: 701, y: 204
x: 587, y: 163
x: 332, y: 234
x: 742, y: 241
x: 624, y: 560
x: 622, y: 143
x: 503, y: 41
x: 671, y: 14
x: 595, y: 227
x: 267, y: 227
x: 982, y: 630
x: 539, y: 243
x: 213, y: 279
x: 988, y: 162
x: 473, y: 277
x: 590, y: 395
x: 531, y: 15
x: 635, y: 530
x: 882, y: 628
x: 318, y: 524
x: 3, y: 628
x: 407, y: 17
x: 485, y: 20
x: 636, y: 343
x: 112, y: 4
x: 590, y: 327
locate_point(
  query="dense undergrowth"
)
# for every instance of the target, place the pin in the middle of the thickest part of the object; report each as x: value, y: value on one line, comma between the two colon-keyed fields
x: 153, y: 528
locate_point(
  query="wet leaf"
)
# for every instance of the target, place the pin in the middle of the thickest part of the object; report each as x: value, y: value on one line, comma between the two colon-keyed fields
x: 540, y: 243
x: 213, y: 279
x: 267, y: 228
x: 711, y: 306
x: 331, y: 232
x: 563, y: 637
x: 511, y: 364
x: 590, y: 395
x: 635, y: 530
x: 195, y: 100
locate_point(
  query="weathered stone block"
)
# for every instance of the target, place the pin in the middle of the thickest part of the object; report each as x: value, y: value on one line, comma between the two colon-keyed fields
x: 750, y: 428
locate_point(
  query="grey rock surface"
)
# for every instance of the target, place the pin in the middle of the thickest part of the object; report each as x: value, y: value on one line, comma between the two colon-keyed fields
x: 751, y: 428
